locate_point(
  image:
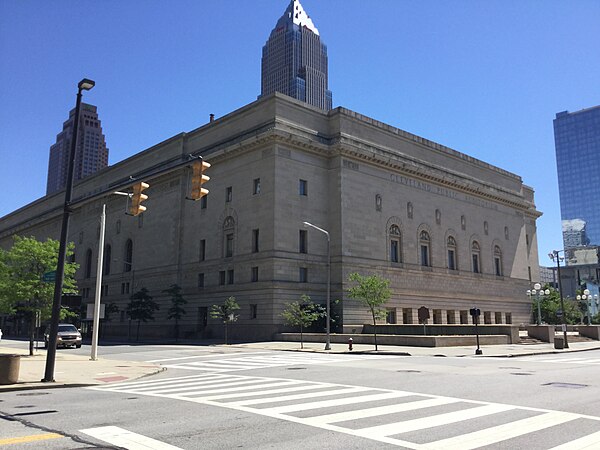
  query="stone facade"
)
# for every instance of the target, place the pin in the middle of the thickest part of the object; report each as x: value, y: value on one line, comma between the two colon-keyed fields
x: 275, y: 164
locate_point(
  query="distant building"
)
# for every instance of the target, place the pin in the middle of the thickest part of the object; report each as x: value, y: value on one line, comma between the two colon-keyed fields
x: 548, y: 276
x: 574, y: 234
x: 577, y: 141
x: 91, y: 156
x: 294, y: 60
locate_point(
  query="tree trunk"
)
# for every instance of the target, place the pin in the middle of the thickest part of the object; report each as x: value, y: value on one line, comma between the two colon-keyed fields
x: 301, y: 339
x: 226, y: 327
x: 374, y: 329
x: 176, y: 330
x: 137, y: 333
x: 32, y: 317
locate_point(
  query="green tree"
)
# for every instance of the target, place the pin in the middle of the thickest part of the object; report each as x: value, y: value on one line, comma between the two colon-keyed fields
x: 303, y: 314
x: 372, y: 292
x: 141, y: 308
x: 225, y: 313
x: 22, y: 289
x: 176, y: 311
x: 550, y: 308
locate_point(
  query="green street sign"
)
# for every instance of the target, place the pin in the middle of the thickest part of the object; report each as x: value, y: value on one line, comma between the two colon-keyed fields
x: 49, y: 277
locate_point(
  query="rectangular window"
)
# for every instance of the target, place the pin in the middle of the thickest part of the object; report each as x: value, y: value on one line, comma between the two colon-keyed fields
x: 255, y: 241
x: 202, y: 249
x: 254, y: 274
x: 256, y: 186
x: 303, y: 275
x: 253, y: 311
x: 229, y: 245
x: 302, y: 187
x: 222, y: 278
x: 390, y: 315
x: 424, y: 255
x: 228, y: 194
x: 204, y: 202
x: 394, y: 251
x: 451, y: 260
x: 302, y: 247
x: 498, y: 266
x: 230, y: 276
x: 476, y: 263
x: 200, y: 280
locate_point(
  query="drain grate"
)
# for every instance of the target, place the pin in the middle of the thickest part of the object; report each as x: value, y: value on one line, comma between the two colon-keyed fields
x: 566, y: 385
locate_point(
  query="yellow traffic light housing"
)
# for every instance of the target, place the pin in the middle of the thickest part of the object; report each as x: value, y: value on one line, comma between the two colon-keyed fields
x: 136, y: 207
x: 198, y: 179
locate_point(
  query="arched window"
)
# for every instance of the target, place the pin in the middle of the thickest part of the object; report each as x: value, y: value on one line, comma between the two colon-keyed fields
x: 476, y: 256
x: 498, y: 261
x: 425, y: 243
x: 228, y: 236
x: 395, y: 239
x: 128, y: 257
x: 88, y: 263
x: 451, y: 250
x: 107, y: 258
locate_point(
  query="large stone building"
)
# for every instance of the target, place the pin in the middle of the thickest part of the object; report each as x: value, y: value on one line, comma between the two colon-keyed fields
x: 449, y: 231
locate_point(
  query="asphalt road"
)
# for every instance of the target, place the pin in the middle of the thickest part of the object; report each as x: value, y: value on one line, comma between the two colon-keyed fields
x: 222, y: 398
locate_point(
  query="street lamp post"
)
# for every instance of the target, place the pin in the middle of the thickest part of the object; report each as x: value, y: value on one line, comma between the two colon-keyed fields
x: 328, y: 319
x: 539, y: 293
x: 554, y: 257
x: 84, y: 84
x: 587, y: 298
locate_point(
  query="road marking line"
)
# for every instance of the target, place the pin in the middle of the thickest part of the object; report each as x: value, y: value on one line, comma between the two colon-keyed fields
x: 285, y: 398
x: 227, y: 388
x: 213, y: 355
x: 202, y: 385
x: 207, y: 378
x: 337, y: 402
x: 266, y: 392
x: 499, y: 433
x: 127, y: 439
x: 30, y: 438
x: 380, y: 410
x: 432, y: 421
x: 589, y: 442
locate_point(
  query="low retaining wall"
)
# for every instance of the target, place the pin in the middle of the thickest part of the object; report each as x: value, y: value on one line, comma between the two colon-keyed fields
x: 400, y: 340
x: 542, y: 332
x: 590, y: 331
x: 510, y: 331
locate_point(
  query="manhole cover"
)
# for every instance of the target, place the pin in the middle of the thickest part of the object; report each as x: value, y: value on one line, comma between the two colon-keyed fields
x: 566, y: 385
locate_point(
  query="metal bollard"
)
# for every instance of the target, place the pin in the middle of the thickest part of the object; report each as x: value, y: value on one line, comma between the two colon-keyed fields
x: 350, y: 344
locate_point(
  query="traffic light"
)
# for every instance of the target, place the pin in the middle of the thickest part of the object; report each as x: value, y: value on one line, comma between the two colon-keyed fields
x: 136, y: 207
x: 198, y: 179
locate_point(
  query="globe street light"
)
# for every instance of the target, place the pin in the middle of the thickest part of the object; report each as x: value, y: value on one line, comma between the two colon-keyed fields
x: 328, y: 320
x: 539, y: 293
x: 84, y: 84
x: 554, y: 257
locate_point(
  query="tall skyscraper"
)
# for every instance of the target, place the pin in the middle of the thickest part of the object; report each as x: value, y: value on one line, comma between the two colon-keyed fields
x: 577, y: 142
x: 91, y: 154
x: 294, y: 60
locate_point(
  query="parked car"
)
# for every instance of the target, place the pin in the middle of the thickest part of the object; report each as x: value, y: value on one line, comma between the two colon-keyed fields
x: 68, y: 336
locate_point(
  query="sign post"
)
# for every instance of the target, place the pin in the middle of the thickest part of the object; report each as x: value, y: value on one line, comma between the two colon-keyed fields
x: 475, y: 313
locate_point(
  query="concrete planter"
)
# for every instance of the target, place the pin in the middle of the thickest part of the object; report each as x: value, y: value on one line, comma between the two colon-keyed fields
x: 9, y: 368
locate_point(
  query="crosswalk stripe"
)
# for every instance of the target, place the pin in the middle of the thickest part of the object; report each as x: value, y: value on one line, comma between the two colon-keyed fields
x: 162, y: 380
x: 236, y: 387
x: 218, y: 379
x: 127, y: 439
x: 265, y: 392
x: 208, y: 387
x: 284, y: 398
x: 499, y: 433
x: 433, y: 421
x: 337, y: 402
x: 380, y: 410
x: 589, y: 442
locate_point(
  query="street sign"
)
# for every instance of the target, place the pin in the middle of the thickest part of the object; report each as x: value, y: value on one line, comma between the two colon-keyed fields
x: 559, y: 313
x: 475, y: 312
x: 49, y: 277
x: 423, y: 314
x: 90, y: 311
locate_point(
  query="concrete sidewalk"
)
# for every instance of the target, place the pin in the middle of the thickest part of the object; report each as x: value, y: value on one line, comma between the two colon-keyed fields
x: 75, y: 370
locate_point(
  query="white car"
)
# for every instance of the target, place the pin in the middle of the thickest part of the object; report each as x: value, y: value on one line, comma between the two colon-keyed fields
x: 67, y: 336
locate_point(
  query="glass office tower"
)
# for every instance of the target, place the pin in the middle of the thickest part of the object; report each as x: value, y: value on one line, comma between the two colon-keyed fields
x: 91, y: 154
x: 294, y: 60
x: 577, y: 142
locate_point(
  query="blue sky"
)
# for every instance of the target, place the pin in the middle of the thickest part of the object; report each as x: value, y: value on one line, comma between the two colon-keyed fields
x: 483, y: 77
